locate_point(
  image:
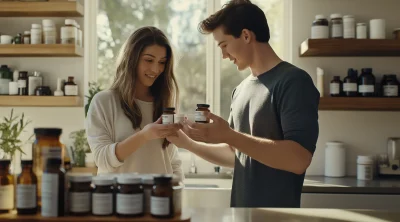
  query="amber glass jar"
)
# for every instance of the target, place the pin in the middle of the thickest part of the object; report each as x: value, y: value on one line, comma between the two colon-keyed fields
x: 390, y: 86
x: 54, y: 189
x: 168, y: 115
x: 79, y: 194
x: 27, y: 189
x: 103, y: 196
x: 129, y: 196
x: 6, y: 187
x: 47, y: 144
x: 162, y: 205
x: 202, y: 113
x: 366, y: 83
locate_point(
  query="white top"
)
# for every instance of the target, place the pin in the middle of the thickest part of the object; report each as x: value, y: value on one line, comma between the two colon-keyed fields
x: 106, y: 125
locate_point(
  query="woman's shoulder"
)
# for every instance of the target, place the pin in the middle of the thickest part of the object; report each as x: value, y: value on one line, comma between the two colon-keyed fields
x: 105, y: 97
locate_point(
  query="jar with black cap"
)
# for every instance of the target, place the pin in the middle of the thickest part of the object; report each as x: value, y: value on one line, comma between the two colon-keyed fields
x: 6, y: 187
x: 53, y: 189
x: 335, y: 86
x: 168, y: 115
x: 79, y: 194
x: 350, y: 83
x: 103, y: 195
x: 201, y: 114
x: 129, y: 201
x: 27, y: 189
x: 162, y: 205
x: 366, y: 83
x: 390, y: 86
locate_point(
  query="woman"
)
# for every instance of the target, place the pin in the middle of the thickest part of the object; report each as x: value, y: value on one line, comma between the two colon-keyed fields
x: 123, y: 124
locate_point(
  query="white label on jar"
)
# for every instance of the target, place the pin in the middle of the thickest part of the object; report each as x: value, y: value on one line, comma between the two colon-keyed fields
x: 390, y: 90
x: 71, y: 90
x: 349, y: 28
x: 160, y: 206
x: 68, y: 32
x: 79, y: 202
x: 200, y: 116
x: 21, y: 83
x: 366, y: 88
x: 350, y: 87
x: 102, y: 203
x: 320, y: 32
x: 334, y: 88
x: 6, y: 197
x: 147, y: 199
x: 168, y: 119
x: 27, y: 40
x: 49, y: 195
x: 129, y: 203
x: 361, y: 32
x: 364, y: 172
x: 26, y: 196
x: 50, y: 152
x: 337, y: 30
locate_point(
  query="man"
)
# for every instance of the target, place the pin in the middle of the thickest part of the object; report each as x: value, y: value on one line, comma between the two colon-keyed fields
x: 273, y: 124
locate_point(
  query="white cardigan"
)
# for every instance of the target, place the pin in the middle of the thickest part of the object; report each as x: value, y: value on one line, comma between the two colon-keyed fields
x: 106, y: 125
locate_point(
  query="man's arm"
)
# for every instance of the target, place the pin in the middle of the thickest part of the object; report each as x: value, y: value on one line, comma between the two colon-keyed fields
x: 220, y: 154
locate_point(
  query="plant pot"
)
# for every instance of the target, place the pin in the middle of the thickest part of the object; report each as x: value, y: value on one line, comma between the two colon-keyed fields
x: 79, y: 159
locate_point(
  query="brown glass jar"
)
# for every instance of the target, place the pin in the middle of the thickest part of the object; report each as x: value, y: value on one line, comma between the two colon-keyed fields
x: 103, y: 196
x: 390, y: 86
x: 320, y: 28
x: 336, y: 86
x: 47, y: 144
x: 23, y: 83
x: 70, y: 87
x: 54, y: 189
x: 162, y: 205
x: 350, y: 83
x: 201, y: 115
x: 366, y: 83
x: 6, y: 187
x: 27, y: 189
x: 336, y: 26
x: 79, y: 194
x: 129, y: 201
x: 168, y: 115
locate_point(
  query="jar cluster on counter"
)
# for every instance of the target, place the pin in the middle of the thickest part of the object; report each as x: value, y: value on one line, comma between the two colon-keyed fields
x: 73, y: 194
x: 46, y: 33
x: 346, y: 27
x: 169, y: 116
x: 24, y: 83
x: 364, y: 85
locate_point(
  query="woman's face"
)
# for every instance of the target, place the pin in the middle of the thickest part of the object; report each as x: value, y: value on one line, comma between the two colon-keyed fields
x: 152, y: 63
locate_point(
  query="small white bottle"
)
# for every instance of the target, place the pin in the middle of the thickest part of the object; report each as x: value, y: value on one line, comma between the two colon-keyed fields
x: 68, y: 32
x: 349, y: 27
x: 33, y: 82
x: 361, y: 31
x: 49, y: 32
x: 36, y: 34
x: 365, y: 167
x: 59, y: 91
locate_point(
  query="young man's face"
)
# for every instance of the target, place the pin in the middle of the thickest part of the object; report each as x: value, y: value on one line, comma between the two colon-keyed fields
x: 236, y: 49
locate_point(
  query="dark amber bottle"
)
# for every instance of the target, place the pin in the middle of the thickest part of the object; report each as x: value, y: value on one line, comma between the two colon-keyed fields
x: 162, y: 205
x: 27, y: 189
x: 6, y: 187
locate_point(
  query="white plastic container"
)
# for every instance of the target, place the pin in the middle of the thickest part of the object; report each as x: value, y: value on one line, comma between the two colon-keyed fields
x: 349, y: 27
x: 377, y: 29
x: 365, y: 168
x: 361, y: 31
x: 36, y: 34
x: 335, y: 159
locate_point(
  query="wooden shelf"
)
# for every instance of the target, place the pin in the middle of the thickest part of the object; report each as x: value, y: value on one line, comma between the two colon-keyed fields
x: 359, y: 104
x: 41, y: 50
x: 40, y: 101
x: 51, y: 8
x: 350, y: 47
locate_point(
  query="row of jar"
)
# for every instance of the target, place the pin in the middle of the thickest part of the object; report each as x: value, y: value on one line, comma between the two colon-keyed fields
x: 364, y: 85
x: 22, y: 83
x: 346, y: 27
x: 46, y: 33
x: 124, y: 195
x: 200, y: 116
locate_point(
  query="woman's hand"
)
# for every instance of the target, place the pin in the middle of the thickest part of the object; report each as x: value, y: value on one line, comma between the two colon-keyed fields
x: 158, y: 130
x: 181, y: 140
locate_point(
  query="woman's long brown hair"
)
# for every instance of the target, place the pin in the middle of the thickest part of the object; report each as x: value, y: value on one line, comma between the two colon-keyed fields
x: 165, y: 88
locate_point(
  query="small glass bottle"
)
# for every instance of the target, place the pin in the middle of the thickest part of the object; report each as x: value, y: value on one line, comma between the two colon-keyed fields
x: 27, y: 37
x: 202, y: 113
x: 53, y: 189
x: 168, y: 115
x: 71, y: 89
x: 336, y: 26
x: 6, y: 187
x: 103, y: 196
x: 366, y: 83
x: 336, y: 86
x: 27, y: 189
x: 162, y: 205
x: 68, y: 32
x: 129, y: 196
x: 23, y: 83
x: 79, y: 194
x: 320, y: 28
x: 18, y: 39
x: 390, y: 86
x: 350, y: 88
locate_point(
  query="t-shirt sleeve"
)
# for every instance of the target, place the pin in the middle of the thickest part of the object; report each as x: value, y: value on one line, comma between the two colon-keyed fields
x: 230, y: 118
x: 298, y: 109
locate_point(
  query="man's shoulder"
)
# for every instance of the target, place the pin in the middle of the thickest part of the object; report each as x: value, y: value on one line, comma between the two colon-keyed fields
x: 290, y: 73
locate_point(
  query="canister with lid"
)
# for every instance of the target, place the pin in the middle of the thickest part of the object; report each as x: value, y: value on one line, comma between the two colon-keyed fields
x: 129, y: 196
x: 103, y: 195
x: 80, y: 194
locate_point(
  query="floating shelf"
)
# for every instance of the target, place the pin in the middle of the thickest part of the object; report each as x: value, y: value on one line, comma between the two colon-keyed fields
x: 350, y: 47
x: 41, y: 9
x: 359, y: 104
x: 40, y: 50
x: 40, y: 101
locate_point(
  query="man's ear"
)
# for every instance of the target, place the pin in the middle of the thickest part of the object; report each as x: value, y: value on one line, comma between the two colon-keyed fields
x: 247, y: 35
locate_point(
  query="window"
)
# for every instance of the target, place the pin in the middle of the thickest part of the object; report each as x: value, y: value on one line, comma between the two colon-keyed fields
x: 179, y: 20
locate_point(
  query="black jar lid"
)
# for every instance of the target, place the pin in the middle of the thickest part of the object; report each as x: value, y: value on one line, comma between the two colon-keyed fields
x: 203, y: 105
x: 53, y: 162
x: 26, y: 162
x: 162, y: 179
x: 169, y: 109
x: 48, y: 131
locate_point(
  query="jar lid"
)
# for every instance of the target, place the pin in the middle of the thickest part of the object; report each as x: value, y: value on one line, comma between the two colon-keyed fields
x: 5, y: 162
x: 203, y: 105
x: 337, y: 15
x: 162, y: 179
x: 129, y: 179
x: 348, y: 16
x: 365, y: 159
x: 334, y: 143
x: 103, y: 180
x: 36, y: 26
x: 169, y: 109
x: 48, y: 22
x: 70, y: 22
x: 361, y: 24
x: 26, y: 162
x: 320, y: 17
x: 27, y: 32
x: 48, y: 131
x: 53, y: 161
x: 80, y: 177
x: 148, y: 179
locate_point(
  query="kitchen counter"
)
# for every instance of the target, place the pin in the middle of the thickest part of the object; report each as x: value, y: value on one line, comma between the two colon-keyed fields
x: 246, y: 215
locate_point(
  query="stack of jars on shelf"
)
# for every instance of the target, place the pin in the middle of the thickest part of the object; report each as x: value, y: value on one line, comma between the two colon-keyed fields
x: 364, y: 85
x: 61, y: 194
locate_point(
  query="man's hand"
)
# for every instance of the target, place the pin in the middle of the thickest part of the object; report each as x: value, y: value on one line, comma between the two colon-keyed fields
x: 217, y: 131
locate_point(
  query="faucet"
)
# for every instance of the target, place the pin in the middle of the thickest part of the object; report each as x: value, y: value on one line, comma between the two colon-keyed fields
x: 193, y: 168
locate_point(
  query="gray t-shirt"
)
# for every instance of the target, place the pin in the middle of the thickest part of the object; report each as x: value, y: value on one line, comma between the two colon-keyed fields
x: 280, y: 104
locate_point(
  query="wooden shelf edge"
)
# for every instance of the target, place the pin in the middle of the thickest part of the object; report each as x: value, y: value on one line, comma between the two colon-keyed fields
x: 42, y: 9
x: 359, y: 104
x: 41, y: 50
x: 40, y: 101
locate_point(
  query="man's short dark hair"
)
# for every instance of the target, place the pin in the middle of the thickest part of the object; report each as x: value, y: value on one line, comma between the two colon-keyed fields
x: 235, y: 16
